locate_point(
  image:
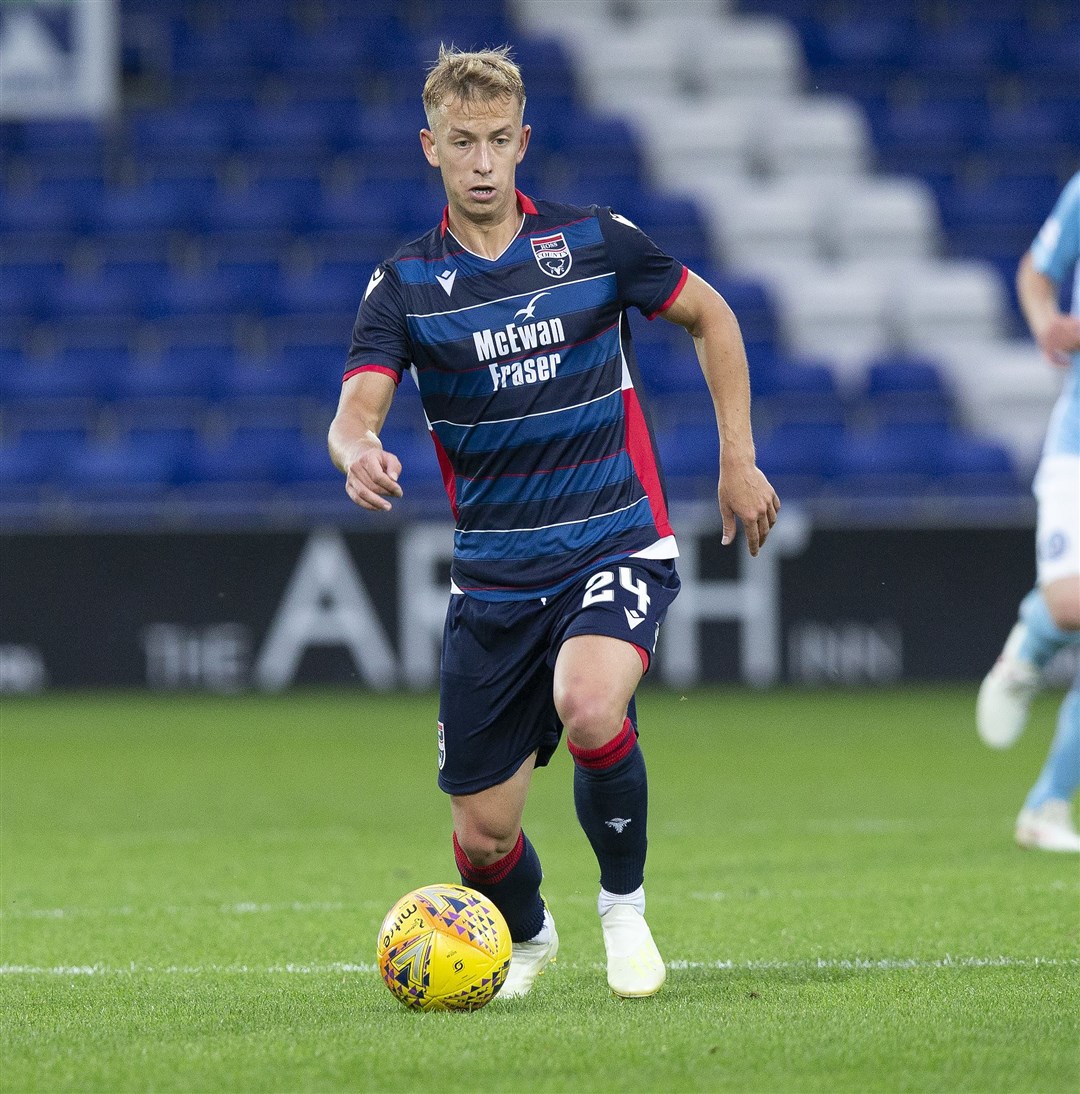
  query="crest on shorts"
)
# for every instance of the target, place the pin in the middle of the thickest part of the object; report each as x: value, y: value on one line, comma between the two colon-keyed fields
x: 552, y: 254
x: 442, y: 745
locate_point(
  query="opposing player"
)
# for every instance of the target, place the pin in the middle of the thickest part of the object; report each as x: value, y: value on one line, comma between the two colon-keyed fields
x: 510, y: 316
x: 1050, y: 614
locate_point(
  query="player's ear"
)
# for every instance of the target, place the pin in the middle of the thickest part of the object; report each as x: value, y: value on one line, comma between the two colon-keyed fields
x: 523, y: 142
x: 431, y: 149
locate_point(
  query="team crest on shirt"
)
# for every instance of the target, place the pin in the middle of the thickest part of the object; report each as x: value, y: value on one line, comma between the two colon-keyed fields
x: 552, y: 254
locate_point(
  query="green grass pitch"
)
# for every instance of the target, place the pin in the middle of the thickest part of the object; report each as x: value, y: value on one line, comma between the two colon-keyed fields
x: 191, y: 889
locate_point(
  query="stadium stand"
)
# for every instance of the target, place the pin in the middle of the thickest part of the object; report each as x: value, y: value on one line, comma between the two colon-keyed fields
x: 177, y: 284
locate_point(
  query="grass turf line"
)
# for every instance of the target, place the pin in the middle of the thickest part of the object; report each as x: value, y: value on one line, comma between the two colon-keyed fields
x: 831, y: 878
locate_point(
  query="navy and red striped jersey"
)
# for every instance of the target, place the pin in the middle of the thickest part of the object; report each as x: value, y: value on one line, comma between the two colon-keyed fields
x: 529, y: 384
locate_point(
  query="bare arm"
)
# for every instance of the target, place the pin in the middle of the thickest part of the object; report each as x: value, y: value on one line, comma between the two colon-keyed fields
x: 743, y: 490
x: 371, y: 473
x: 1057, y: 334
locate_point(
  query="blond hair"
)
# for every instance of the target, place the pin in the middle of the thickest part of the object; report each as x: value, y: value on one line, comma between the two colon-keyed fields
x: 469, y: 77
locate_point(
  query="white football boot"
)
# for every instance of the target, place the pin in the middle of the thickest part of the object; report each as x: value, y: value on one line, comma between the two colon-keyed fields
x: 1048, y: 827
x: 1004, y: 701
x: 634, y: 965
x: 529, y: 959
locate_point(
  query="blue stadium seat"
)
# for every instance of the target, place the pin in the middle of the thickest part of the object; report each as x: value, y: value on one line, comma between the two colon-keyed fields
x: 795, y: 456
x: 241, y: 462
x: 379, y: 138
x: 24, y: 470
x: 967, y: 53
x: 1023, y: 133
x: 321, y: 56
x: 296, y: 130
x: 156, y: 206
x: 906, y: 389
x: 327, y: 289
x: 181, y: 372
x: 977, y: 467
x: 117, y: 470
x: 254, y: 208
x: 74, y: 296
x: 883, y: 463
x: 181, y: 132
x: 675, y: 224
x: 690, y: 458
x: 34, y: 211
x: 928, y: 136
x: 196, y: 293
x: 262, y: 380
x: 86, y: 375
x: 802, y: 391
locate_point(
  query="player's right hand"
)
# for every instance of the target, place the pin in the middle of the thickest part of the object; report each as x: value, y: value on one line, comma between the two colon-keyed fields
x: 372, y: 478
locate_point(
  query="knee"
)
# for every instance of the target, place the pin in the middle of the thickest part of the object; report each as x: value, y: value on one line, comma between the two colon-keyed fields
x: 590, y: 717
x: 484, y: 843
x: 1063, y: 602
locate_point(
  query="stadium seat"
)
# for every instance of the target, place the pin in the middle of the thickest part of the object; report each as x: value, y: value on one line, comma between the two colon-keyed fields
x: 881, y: 220
x: 841, y: 312
x: 690, y: 149
x: 24, y: 471
x: 749, y: 57
x: 821, y: 136
x: 904, y: 388
x: 795, y: 455
x: 883, y: 463
x: 690, y: 456
x: 24, y: 211
x: 636, y: 56
x: 196, y: 293
x: 1005, y: 390
x: 950, y: 301
x: 975, y: 467
x: 796, y: 391
x: 117, y: 470
x: 765, y: 223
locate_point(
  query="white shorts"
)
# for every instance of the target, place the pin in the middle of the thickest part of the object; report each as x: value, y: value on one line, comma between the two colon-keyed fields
x: 1057, y: 530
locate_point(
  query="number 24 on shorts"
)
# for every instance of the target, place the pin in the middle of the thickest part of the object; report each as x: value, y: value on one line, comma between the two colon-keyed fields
x: 598, y: 589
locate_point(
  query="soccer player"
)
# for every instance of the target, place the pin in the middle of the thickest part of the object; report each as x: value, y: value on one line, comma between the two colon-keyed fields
x: 510, y: 316
x: 1049, y: 617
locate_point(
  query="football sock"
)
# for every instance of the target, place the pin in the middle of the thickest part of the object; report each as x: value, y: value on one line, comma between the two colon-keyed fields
x: 606, y: 901
x: 1043, y: 637
x: 512, y: 884
x: 1060, y: 775
x: 611, y: 796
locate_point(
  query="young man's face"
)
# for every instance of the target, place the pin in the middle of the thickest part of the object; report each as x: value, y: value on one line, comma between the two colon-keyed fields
x: 477, y: 147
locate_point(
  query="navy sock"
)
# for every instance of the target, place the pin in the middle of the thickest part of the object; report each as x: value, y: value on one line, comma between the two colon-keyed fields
x: 512, y: 884
x: 611, y: 796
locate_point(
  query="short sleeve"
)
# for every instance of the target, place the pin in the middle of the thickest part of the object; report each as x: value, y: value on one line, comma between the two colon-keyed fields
x: 1056, y: 249
x: 647, y: 278
x: 380, y: 340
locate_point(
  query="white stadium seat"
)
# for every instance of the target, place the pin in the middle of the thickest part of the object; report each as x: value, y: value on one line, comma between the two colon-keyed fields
x: 700, y: 141
x: 766, y: 222
x: 835, y: 311
x: 749, y: 56
x: 946, y: 299
x: 1006, y: 389
x: 882, y: 219
x: 819, y: 136
x: 633, y: 64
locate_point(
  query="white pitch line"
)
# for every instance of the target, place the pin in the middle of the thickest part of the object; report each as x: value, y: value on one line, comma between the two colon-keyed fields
x: 847, y: 964
x: 245, y: 907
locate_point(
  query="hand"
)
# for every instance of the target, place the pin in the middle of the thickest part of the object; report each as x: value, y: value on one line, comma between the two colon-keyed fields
x: 744, y: 492
x: 1061, y: 339
x: 372, y: 477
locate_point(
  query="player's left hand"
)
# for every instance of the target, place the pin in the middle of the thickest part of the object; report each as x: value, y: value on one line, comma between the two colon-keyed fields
x: 744, y: 492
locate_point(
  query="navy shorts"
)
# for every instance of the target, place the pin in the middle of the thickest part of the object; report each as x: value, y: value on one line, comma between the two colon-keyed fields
x: 498, y: 665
